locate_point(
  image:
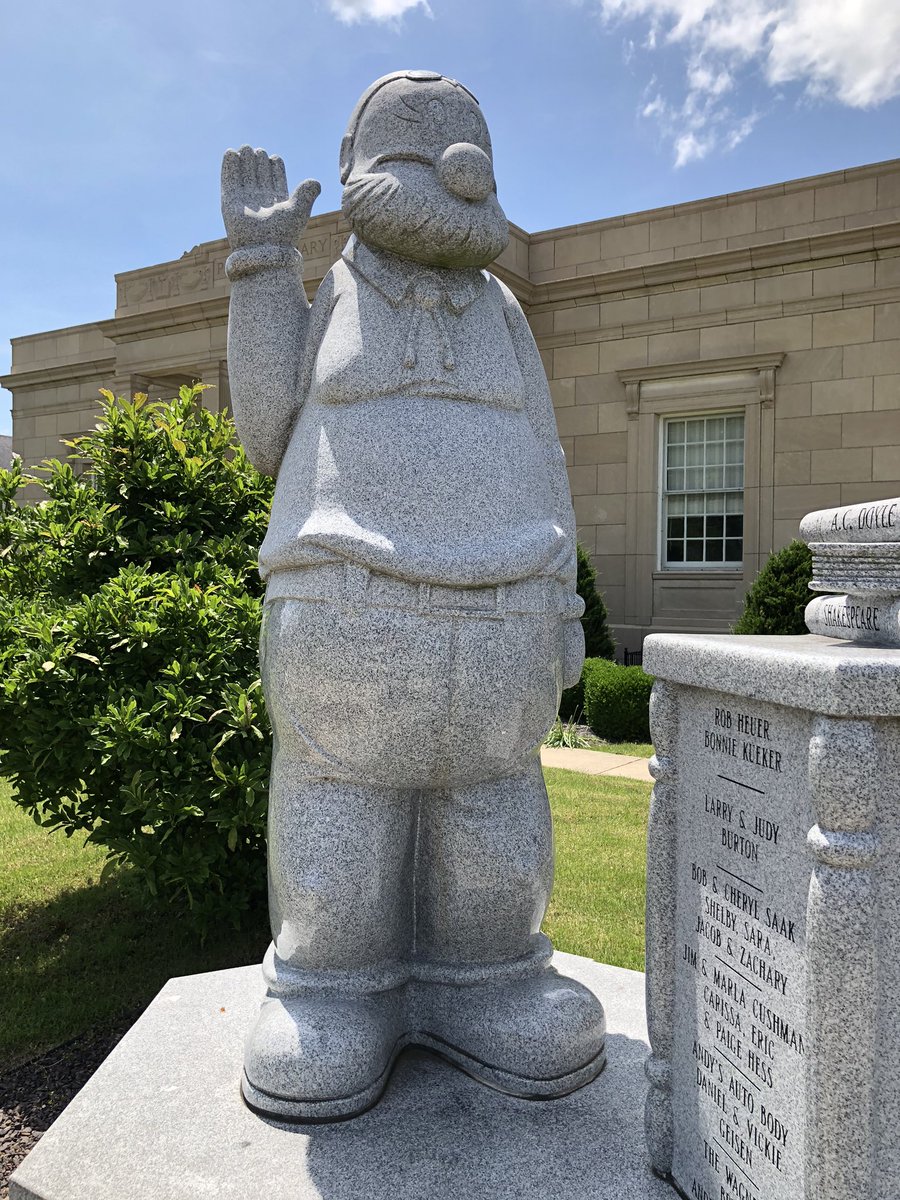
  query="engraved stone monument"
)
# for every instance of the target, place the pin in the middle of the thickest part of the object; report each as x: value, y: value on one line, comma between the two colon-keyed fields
x: 856, y: 553
x: 773, y: 892
x: 420, y: 620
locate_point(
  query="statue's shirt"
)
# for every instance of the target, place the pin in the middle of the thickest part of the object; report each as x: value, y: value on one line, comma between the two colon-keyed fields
x: 414, y: 452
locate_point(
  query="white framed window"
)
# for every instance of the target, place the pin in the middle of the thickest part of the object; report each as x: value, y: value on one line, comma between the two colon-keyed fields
x: 702, y: 492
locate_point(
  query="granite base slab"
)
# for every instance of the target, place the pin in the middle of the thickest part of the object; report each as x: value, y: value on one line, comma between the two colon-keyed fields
x: 163, y: 1119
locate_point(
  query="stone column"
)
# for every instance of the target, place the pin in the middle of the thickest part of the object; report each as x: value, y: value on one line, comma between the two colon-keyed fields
x: 660, y: 927
x: 842, y: 987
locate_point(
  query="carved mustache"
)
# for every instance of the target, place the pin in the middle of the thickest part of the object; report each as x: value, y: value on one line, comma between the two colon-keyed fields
x: 367, y: 195
x: 370, y: 200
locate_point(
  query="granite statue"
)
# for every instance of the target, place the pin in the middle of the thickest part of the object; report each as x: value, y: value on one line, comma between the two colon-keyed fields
x: 420, y: 620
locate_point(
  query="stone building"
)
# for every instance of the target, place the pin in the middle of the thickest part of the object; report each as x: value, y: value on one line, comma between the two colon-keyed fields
x: 718, y: 368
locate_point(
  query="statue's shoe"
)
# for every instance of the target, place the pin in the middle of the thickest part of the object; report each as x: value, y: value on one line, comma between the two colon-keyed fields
x: 322, y: 1057
x: 539, y: 1037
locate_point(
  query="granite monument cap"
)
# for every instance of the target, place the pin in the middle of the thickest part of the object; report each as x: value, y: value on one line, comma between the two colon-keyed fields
x: 873, y: 521
x: 856, y: 554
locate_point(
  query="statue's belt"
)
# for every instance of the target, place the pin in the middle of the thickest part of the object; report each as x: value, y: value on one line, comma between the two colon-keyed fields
x: 351, y: 583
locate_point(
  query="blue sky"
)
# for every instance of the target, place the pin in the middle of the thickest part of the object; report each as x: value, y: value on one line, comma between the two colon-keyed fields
x: 116, y: 114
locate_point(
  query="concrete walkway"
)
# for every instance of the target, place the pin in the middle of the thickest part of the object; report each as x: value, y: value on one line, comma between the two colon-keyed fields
x: 596, y: 762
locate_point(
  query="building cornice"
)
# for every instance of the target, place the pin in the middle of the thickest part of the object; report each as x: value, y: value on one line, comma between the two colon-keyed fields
x: 739, y: 315
x: 705, y: 267
x: 61, y: 373
x: 200, y: 314
x: 517, y: 284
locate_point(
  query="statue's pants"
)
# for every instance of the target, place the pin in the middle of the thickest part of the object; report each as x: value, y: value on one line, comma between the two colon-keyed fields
x: 409, y: 828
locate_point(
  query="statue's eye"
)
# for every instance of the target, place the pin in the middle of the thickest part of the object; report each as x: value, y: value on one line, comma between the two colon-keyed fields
x: 436, y: 112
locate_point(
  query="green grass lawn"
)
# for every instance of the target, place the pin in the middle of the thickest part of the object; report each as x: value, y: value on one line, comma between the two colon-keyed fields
x: 75, y: 952
x: 600, y: 823
x: 637, y: 749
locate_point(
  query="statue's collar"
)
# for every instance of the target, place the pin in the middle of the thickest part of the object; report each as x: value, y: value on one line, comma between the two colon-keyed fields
x: 396, y: 277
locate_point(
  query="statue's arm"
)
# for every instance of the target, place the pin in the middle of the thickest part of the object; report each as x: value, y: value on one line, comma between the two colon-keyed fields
x: 269, y: 314
x: 539, y: 406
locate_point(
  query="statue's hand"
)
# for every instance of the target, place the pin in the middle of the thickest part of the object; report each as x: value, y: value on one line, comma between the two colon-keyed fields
x: 573, y: 652
x: 256, y: 207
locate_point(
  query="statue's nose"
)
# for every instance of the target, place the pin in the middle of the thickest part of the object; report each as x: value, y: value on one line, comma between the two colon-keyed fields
x: 466, y: 171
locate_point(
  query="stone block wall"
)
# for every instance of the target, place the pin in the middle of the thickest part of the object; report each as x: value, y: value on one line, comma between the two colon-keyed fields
x: 808, y: 270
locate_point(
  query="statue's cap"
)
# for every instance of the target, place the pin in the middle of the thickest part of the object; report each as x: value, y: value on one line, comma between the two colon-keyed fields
x: 405, y: 112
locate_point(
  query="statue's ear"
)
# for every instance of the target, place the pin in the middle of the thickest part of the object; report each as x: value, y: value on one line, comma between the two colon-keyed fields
x: 346, y: 157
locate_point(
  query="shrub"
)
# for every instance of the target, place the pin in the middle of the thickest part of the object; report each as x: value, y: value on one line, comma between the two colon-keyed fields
x: 778, y: 597
x: 617, y: 701
x: 598, y: 641
x: 130, y: 605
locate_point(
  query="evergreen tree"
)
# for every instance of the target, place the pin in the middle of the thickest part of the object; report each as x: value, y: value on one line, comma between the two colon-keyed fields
x: 598, y: 641
x: 777, y: 600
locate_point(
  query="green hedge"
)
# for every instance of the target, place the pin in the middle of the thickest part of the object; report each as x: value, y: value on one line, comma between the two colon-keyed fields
x: 617, y: 700
x: 598, y: 641
x: 571, y: 702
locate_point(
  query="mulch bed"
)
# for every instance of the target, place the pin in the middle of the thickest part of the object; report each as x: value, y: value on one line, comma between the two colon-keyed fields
x: 34, y: 1094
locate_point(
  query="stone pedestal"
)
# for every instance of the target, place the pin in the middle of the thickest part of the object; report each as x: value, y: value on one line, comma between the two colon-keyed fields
x: 163, y: 1119
x: 773, y: 918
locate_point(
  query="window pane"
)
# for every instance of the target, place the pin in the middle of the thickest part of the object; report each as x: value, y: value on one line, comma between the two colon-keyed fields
x: 695, y: 527
x: 694, y: 454
x: 675, y: 431
x: 693, y: 431
x: 714, y: 527
x: 734, y: 477
x: 734, y: 452
x: 695, y: 551
x: 734, y: 526
x: 675, y: 456
x: 714, y: 477
x: 714, y: 550
x: 676, y: 527
x: 715, y: 429
x: 733, y: 550
x: 676, y: 505
x: 675, y: 551
x: 694, y: 504
x: 715, y: 453
x: 734, y: 427
x: 693, y: 479
x: 675, y: 480
x: 734, y: 504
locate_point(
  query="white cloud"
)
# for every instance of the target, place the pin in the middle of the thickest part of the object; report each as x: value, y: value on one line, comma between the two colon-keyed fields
x: 351, y: 11
x: 702, y: 79
x: 688, y: 147
x: 851, y: 51
x: 845, y: 50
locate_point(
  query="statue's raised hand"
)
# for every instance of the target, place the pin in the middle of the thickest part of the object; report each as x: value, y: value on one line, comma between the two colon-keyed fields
x: 256, y: 207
